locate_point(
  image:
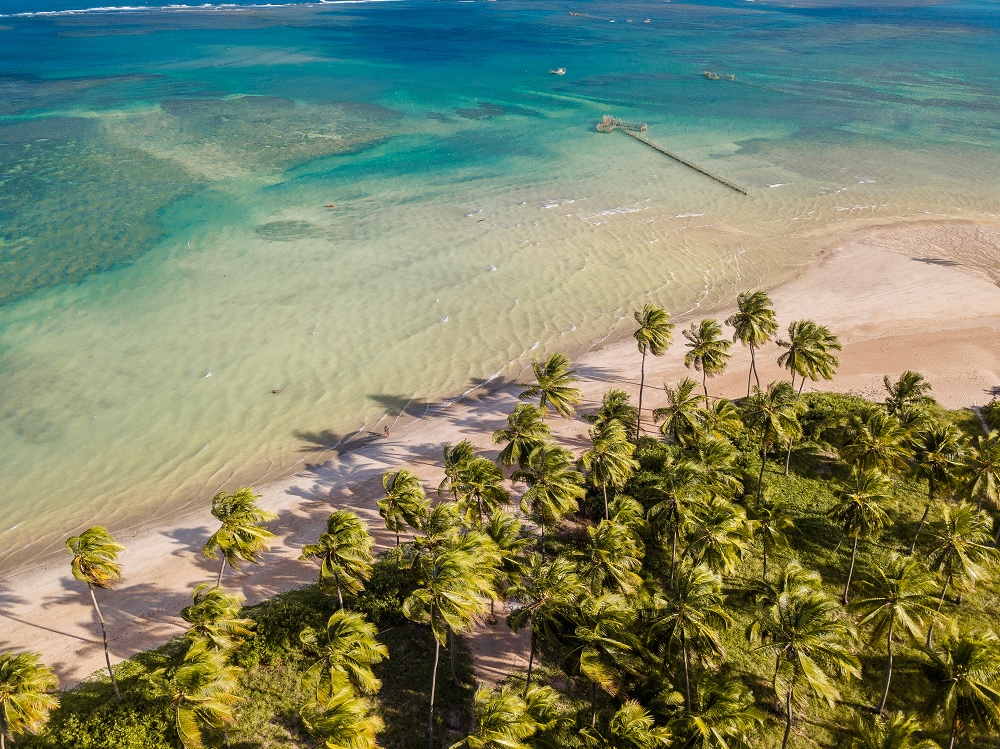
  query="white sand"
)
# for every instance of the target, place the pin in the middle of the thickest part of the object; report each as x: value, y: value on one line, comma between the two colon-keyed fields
x: 891, y: 312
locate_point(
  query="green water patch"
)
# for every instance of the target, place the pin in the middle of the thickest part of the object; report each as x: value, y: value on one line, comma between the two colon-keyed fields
x: 19, y: 94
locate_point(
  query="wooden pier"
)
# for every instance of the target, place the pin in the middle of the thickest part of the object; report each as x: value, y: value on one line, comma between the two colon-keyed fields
x: 609, y: 124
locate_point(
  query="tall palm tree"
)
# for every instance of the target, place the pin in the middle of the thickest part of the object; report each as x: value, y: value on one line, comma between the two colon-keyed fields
x: 681, y: 417
x: 860, y: 511
x: 95, y: 562
x: 345, y: 554
x: 609, y: 461
x: 214, y: 616
x: 911, y: 389
x: 554, y: 487
x: 404, y: 503
x: 526, y: 430
x: 508, y: 720
x: 452, y: 589
x: 607, y: 651
x: 876, y: 440
x: 682, y: 484
x: 553, y: 385
x: 982, y: 470
x: 939, y: 457
x: 719, y: 536
x: 346, y: 721
x: 692, y: 619
x: 616, y: 405
x: 964, y: 671
x: 242, y: 535
x: 720, y: 420
x: 631, y: 727
x: 455, y: 460
x: 769, y: 519
x: 201, y: 694
x: 611, y: 558
x: 809, y: 352
x: 544, y: 595
x: 716, y: 458
x: 723, y: 716
x: 773, y: 416
x: 707, y: 352
x: 506, y: 533
x: 809, y: 639
x: 962, y: 549
x: 755, y: 324
x: 479, y: 487
x: 345, y: 651
x: 896, y: 596
x: 895, y: 731
x: 27, y: 695
x: 653, y: 336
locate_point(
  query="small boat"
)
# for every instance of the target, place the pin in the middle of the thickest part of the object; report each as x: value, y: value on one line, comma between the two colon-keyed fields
x: 558, y: 71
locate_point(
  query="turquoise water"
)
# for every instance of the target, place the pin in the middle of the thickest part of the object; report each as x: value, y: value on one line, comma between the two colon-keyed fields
x: 180, y: 312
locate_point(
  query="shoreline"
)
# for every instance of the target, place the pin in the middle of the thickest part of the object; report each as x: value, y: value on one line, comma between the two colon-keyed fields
x: 892, y: 312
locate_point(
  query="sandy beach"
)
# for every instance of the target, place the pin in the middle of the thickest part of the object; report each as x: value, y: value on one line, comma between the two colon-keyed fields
x: 911, y: 296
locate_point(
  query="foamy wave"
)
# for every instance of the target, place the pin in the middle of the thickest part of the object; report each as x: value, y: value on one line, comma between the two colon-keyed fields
x: 178, y: 8
x: 688, y: 215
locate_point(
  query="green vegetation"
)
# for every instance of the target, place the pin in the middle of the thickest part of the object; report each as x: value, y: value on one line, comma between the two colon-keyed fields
x: 791, y: 569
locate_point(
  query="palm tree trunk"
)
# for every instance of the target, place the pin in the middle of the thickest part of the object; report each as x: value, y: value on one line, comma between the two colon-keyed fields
x: 763, y: 547
x: 760, y: 476
x: 930, y: 629
x: 704, y: 384
x: 3, y: 742
x: 687, y: 672
x: 752, y: 372
x: 218, y: 583
x: 593, y: 704
x: 642, y: 385
x: 104, y: 633
x: 531, y: 659
x: 888, y: 672
x: 788, y: 457
x: 340, y: 595
x: 788, y: 714
x: 673, y: 554
x: 430, y: 720
x: 774, y: 683
x: 954, y: 731
x: 850, y: 571
x: 802, y: 384
x: 913, y: 546
x: 604, y: 488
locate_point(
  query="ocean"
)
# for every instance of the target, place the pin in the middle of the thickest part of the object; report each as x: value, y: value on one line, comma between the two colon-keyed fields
x: 234, y: 237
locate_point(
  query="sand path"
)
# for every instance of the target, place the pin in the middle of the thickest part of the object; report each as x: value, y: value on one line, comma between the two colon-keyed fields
x: 891, y: 311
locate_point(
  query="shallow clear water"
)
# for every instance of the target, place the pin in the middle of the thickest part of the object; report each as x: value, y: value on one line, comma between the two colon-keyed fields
x: 180, y: 312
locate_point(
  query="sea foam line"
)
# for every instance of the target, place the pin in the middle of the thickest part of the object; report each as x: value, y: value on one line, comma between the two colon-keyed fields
x: 174, y: 7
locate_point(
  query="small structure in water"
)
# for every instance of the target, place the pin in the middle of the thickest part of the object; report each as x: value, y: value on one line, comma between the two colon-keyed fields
x: 713, y: 76
x: 558, y: 71
x: 609, y: 123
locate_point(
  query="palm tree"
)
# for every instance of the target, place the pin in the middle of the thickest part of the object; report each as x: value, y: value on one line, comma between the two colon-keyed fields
x: 896, y: 731
x: 345, y: 554
x: 982, y: 470
x: 610, y: 461
x: 719, y: 534
x: 859, y: 511
x: 681, y: 417
x: 896, y: 596
x: 404, y: 503
x: 611, y: 557
x: 876, y: 440
x: 962, y: 549
x: 693, y: 618
x: 631, y: 727
x: 707, y: 352
x: 526, y: 430
x: 911, y: 389
x: 346, y: 721
x: 720, y: 420
x: 455, y: 460
x: 214, y: 616
x: 681, y: 484
x: 554, y: 385
x: 939, y: 457
x: 773, y: 415
x: 95, y: 562
x: 479, y: 488
x: 653, y: 336
x: 964, y: 671
x: 452, y: 588
x: 346, y: 651
x: 242, y: 535
x: 201, y: 694
x: 808, y: 352
x: 554, y: 488
x: 508, y: 720
x: 27, y: 695
x: 544, y: 595
x: 808, y: 638
x: 769, y: 519
x: 505, y: 531
x: 755, y: 324
x: 616, y: 405
x: 607, y: 651
x: 723, y: 716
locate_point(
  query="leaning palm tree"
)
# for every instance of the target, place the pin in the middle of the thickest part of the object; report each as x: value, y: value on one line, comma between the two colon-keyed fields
x: 653, y: 337
x: 506, y: 533
x: 609, y: 462
x: 772, y: 415
x: 95, y: 562
x: 553, y: 385
x: 345, y: 721
x: 809, y: 352
x: 964, y: 671
x: 755, y: 324
x: 769, y: 519
x: 480, y: 490
x: 681, y: 417
x: 242, y: 535
x: 809, y: 640
x: 874, y: 439
x: 345, y: 652
x: 616, y: 405
x: 962, y: 549
x: 707, y: 352
x: 895, y: 731
x: 939, y: 458
x: 860, y: 512
x: 526, y: 430
x: 214, y: 616
x: 345, y: 554
x: 455, y: 459
x: 502, y: 721
x: 719, y: 535
x: 27, y: 695
x: 723, y: 716
x: 631, y: 727
x: 554, y: 487
x: 682, y: 484
x: 545, y: 595
x: 610, y: 558
x: 982, y: 470
x: 404, y: 503
x: 201, y: 694
x: 911, y: 389
x: 895, y: 596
